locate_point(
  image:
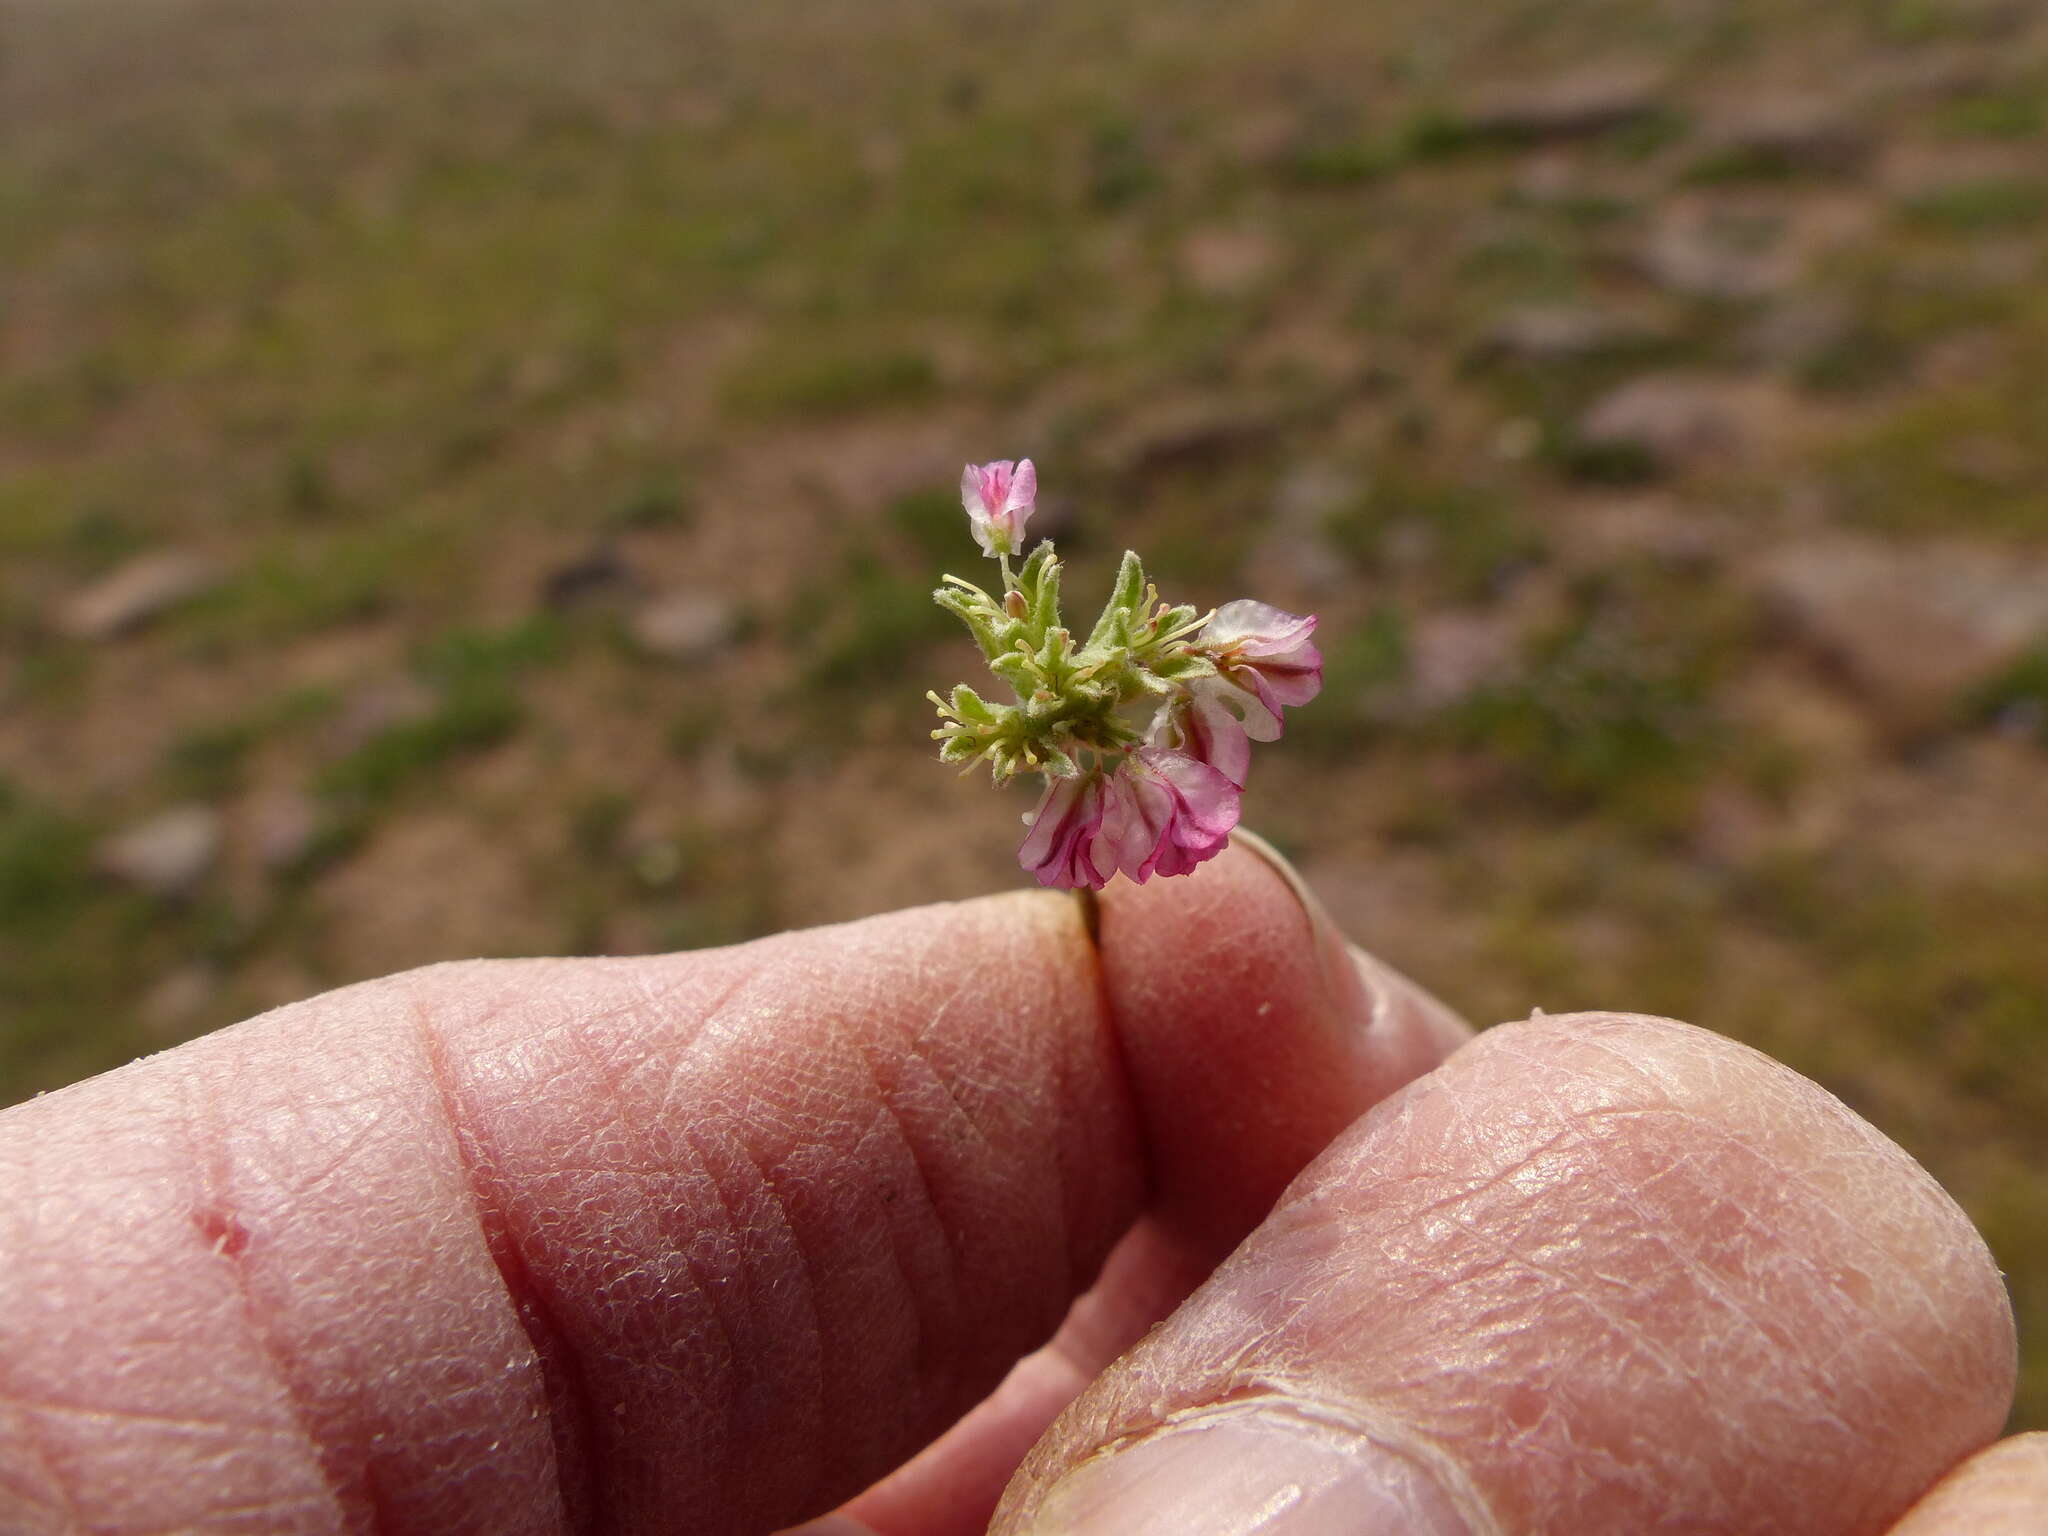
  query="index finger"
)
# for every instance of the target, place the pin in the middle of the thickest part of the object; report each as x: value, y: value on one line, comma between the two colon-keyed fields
x: 717, y: 1238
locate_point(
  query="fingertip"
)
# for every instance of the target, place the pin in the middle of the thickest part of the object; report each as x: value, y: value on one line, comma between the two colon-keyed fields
x: 2002, y: 1491
x: 1437, y: 1028
x: 1252, y: 1031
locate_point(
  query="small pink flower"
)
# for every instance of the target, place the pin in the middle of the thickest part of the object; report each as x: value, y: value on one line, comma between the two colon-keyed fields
x: 1215, y: 722
x: 1265, y: 661
x: 1267, y: 653
x: 1166, y: 813
x: 999, y: 498
x: 1063, y: 846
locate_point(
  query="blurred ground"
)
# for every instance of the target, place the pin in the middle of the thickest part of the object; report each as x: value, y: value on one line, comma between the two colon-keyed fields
x: 471, y: 477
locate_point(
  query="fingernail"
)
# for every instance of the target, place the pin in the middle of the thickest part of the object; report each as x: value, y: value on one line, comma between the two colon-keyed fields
x: 1351, y: 989
x: 1255, y: 1472
x: 1364, y: 994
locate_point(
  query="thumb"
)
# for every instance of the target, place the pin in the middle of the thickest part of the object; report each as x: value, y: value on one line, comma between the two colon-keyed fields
x: 1595, y: 1273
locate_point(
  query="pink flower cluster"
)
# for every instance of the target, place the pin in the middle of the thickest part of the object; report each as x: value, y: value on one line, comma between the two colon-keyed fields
x: 1159, y: 812
x: 1170, y: 804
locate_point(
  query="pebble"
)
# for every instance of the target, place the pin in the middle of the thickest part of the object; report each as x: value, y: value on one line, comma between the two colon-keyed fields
x: 281, y: 826
x: 132, y: 595
x: 374, y: 708
x: 168, y: 854
x: 1558, y: 333
x: 1708, y: 250
x: 1804, y: 132
x: 1228, y: 263
x: 1910, y: 626
x: 683, y: 626
x: 1678, y: 419
x: 1585, y: 101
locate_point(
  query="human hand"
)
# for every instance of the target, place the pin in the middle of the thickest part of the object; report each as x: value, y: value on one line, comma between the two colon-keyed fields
x: 710, y: 1242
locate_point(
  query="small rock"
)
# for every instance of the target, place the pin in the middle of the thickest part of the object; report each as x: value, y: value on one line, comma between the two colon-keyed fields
x: 684, y: 626
x: 1676, y: 419
x: 166, y: 855
x: 1796, y: 329
x: 1227, y: 263
x: 1586, y: 101
x: 1733, y: 827
x: 1713, y: 251
x: 1911, y: 626
x: 1542, y: 333
x: 137, y: 592
x: 1925, y: 74
x: 597, y: 574
x: 1548, y: 179
x: 2023, y: 720
x: 375, y: 708
x: 1262, y: 137
x: 282, y: 826
x: 1801, y: 133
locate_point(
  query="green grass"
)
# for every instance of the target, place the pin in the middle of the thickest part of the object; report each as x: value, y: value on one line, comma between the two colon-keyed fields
x: 1739, y: 163
x: 474, y: 674
x: 43, y: 875
x: 1471, y: 536
x: 869, y: 628
x: 1983, y: 206
x: 662, y: 500
x: 1612, y: 711
x: 1974, y: 459
x: 803, y: 377
x: 2015, y: 114
x: 2018, y: 695
x: 73, y: 949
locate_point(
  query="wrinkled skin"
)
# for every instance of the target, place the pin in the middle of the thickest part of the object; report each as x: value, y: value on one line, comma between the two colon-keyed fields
x: 711, y: 1243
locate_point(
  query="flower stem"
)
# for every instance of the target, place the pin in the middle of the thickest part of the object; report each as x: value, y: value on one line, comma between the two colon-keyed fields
x: 1009, y: 581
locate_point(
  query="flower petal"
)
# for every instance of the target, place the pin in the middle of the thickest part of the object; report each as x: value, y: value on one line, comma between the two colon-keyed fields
x: 1209, y: 723
x: 1054, y: 808
x: 1135, y: 825
x: 1258, y: 629
x: 1267, y: 652
x: 1209, y: 803
x: 1058, y: 849
x: 1023, y: 492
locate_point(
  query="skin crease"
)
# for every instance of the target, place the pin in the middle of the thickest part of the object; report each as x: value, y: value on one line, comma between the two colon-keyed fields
x: 1606, y: 1273
x: 702, y: 1242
